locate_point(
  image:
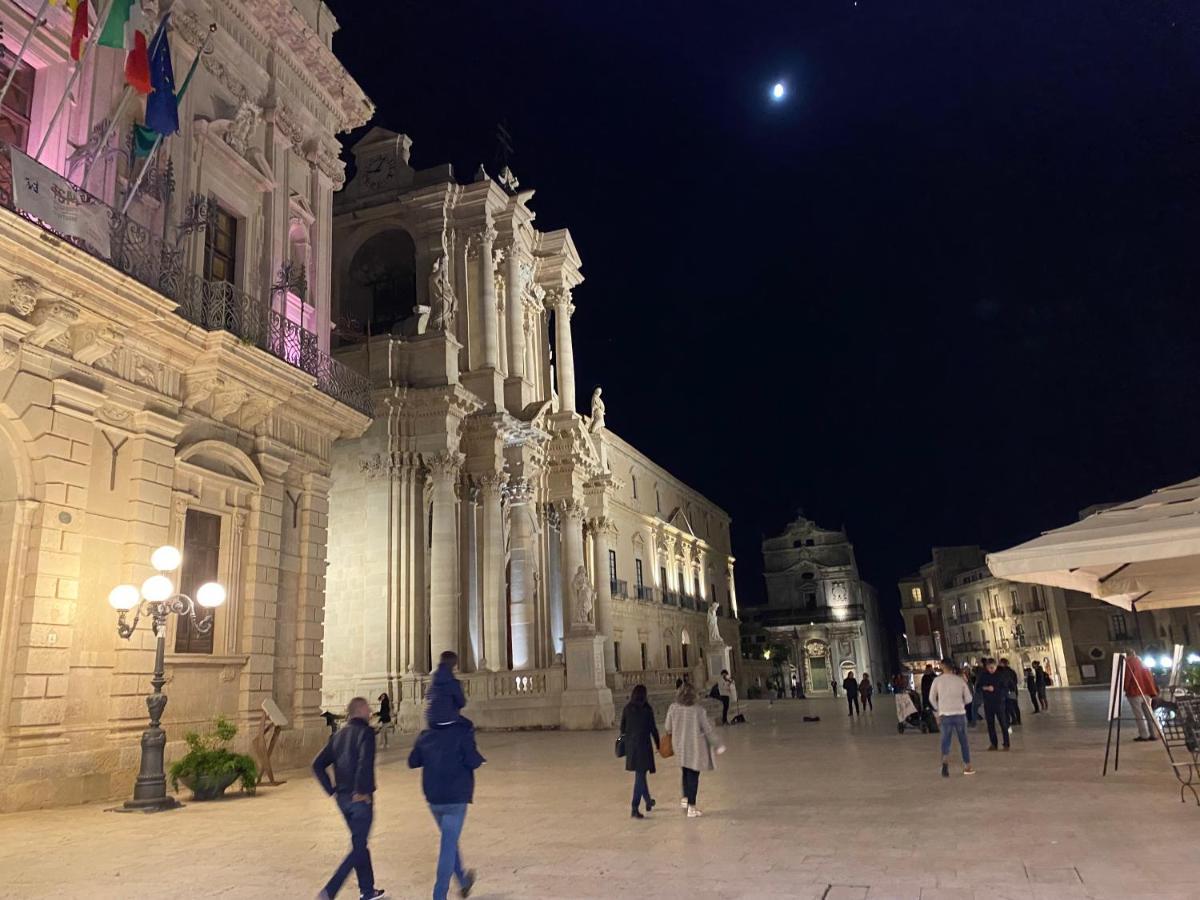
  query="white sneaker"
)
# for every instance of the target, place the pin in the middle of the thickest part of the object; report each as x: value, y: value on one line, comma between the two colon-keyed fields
x: 694, y: 813
x: 683, y: 803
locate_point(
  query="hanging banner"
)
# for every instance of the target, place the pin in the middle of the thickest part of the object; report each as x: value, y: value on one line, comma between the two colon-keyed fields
x: 60, y: 205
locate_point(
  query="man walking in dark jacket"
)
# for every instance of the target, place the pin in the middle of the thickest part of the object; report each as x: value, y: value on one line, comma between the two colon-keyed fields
x: 446, y: 753
x: 850, y: 686
x: 993, y: 687
x: 926, y: 684
x: 1031, y: 686
x: 1011, y: 684
x: 1041, y: 679
x: 351, y: 755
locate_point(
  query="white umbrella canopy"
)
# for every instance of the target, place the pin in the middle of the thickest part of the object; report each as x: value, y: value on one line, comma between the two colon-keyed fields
x: 1146, y: 552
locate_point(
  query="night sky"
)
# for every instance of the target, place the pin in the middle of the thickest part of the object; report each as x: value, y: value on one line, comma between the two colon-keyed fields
x: 947, y: 292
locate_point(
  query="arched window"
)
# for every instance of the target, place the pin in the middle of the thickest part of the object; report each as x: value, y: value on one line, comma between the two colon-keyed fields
x: 380, y: 290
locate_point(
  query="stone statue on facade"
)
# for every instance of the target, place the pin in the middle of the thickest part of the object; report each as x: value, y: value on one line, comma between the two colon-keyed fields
x: 714, y: 630
x: 441, y: 297
x: 240, y: 129
x: 585, y: 597
x: 597, y: 409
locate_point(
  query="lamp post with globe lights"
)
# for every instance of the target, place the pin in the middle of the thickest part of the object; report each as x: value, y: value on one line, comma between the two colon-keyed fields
x: 157, y: 599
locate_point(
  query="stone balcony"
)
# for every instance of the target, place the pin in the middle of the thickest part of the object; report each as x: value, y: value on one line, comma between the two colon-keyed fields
x: 133, y: 249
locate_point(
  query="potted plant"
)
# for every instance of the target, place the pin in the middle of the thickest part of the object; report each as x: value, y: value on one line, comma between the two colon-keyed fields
x: 209, y: 766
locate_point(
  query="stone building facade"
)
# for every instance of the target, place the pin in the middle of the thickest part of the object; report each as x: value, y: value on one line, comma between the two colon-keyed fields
x: 483, y: 511
x: 955, y: 607
x: 819, y: 606
x: 163, y: 379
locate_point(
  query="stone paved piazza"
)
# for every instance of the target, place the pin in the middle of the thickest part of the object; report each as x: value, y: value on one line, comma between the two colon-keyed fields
x: 828, y: 810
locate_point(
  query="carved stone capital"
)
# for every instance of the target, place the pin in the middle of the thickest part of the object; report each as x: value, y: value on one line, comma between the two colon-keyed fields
x: 518, y: 491
x: 571, y: 509
x: 559, y: 299
x: 603, y: 525
x: 444, y: 465
x: 491, y: 483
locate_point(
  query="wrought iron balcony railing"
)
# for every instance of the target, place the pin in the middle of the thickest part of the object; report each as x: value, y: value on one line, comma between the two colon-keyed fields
x: 620, y: 589
x: 646, y: 592
x: 135, y: 250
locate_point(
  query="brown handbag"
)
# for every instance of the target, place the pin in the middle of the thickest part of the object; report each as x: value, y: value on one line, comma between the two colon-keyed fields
x: 665, y: 747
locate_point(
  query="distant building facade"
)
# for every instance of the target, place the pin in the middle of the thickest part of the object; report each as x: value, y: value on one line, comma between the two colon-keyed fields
x: 485, y: 511
x: 819, y: 607
x: 955, y: 607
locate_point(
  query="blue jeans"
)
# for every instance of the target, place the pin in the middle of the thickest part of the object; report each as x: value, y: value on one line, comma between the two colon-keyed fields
x: 358, y: 819
x: 952, y: 725
x: 450, y: 818
x: 641, y: 790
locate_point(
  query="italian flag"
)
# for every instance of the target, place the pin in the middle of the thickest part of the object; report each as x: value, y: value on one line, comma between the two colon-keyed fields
x: 126, y: 28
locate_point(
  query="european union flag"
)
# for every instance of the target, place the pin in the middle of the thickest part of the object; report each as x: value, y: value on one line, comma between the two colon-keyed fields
x: 162, y: 110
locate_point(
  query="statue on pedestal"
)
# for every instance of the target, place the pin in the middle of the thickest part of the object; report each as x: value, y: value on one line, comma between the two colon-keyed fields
x: 597, y: 410
x: 441, y: 297
x: 714, y: 631
x: 585, y: 597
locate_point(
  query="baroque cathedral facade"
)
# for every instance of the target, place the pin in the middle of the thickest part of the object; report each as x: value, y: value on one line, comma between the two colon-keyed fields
x: 483, y: 511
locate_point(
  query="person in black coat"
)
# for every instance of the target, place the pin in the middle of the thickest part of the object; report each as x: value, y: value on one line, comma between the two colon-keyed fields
x: 641, y: 737
x: 850, y: 686
x: 992, y: 685
x: 926, y: 684
x: 1031, y: 686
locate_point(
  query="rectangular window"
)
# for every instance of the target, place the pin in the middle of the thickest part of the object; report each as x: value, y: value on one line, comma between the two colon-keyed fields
x: 201, y: 552
x: 662, y: 574
x: 220, y: 246
x: 668, y: 656
x: 617, y: 655
x: 684, y: 651
x: 637, y: 576
x: 645, y: 658
x: 1118, y: 627
x: 916, y: 595
x: 612, y: 566
x: 1041, y: 632
x: 18, y: 102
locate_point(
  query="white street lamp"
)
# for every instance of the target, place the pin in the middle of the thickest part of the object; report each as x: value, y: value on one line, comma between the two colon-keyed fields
x: 157, y: 599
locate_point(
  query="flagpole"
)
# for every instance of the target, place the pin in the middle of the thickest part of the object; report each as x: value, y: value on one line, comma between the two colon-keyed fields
x: 100, y: 19
x: 113, y: 123
x: 33, y: 26
x: 212, y: 29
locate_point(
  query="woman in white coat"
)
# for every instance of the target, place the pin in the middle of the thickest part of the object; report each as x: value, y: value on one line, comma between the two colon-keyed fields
x: 694, y: 743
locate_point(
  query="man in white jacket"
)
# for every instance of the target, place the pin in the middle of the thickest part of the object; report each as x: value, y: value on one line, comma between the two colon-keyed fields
x: 949, y: 696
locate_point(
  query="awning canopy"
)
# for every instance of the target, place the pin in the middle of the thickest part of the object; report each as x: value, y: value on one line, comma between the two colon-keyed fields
x: 1145, y: 552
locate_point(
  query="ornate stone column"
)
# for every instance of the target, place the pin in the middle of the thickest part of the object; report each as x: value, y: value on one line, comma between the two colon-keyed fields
x: 522, y: 564
x: 573, y: 561
x: 444, y: 618
x: 515, y: 281
x: 564, y: 350
x: 494, y: 598
x: 603, y: 531
x: 482, y: 248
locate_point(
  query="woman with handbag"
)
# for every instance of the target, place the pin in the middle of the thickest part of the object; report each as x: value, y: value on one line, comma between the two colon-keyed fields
x: 639, y: 736
x: 692, y: 738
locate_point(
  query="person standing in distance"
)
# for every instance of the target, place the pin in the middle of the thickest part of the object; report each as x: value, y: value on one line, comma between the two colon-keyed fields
x: 351, y: 754
x: 949, y: 696
x: 850, y: 686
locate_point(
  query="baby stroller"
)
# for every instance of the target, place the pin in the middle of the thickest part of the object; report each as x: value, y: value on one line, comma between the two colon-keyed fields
x: 909, y: 714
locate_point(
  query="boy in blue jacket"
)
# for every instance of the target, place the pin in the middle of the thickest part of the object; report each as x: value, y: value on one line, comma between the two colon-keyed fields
x: 447, y: 754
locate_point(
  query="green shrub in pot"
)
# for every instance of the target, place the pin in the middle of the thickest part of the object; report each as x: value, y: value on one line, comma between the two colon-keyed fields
x: 209, y: 766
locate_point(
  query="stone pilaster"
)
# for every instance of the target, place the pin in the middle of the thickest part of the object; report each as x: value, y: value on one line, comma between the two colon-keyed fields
x: 444, y: 614
x: 515, y: 307
x: 251, y: 630
x: 493, y: 597
x: 604, y: 530
x: 313, y: 518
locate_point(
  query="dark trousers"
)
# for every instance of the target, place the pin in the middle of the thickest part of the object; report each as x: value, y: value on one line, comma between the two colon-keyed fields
x: 358, y: 820
x: 996, y: 713
x: 852, y: 703
x: 1014, y: 711
x: 724, y: 709
x: 641, y: 790
x: 866, y: 702
x: 1034, y: 700
x: 691, y: 784
x: 1042, y: 698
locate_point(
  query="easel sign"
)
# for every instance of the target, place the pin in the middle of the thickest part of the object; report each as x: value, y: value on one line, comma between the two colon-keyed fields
x: 273, y: 722
x: 1115, y: 689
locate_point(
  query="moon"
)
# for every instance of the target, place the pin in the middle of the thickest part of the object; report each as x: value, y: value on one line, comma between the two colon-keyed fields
x: 778, y: 91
